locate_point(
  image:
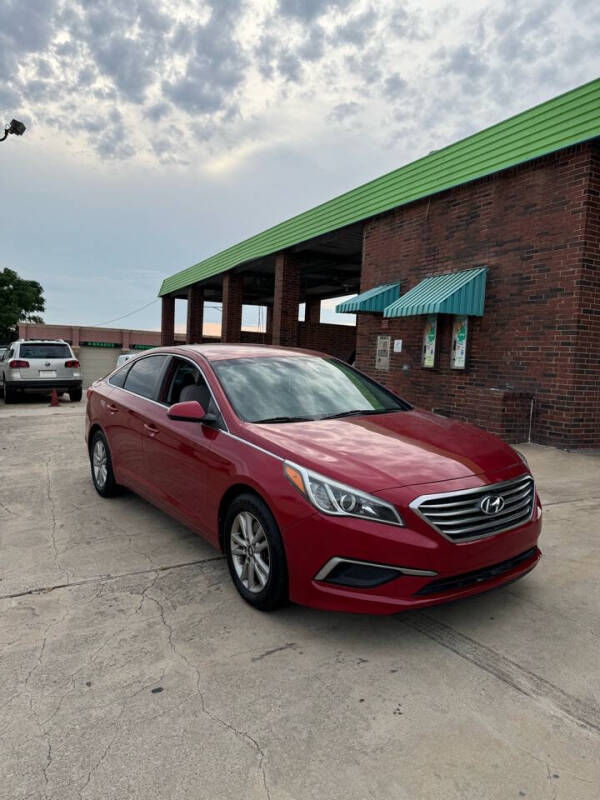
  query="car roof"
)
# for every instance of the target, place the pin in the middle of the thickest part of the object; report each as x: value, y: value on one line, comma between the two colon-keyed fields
x: 40, y: 341
x: 220, y: 352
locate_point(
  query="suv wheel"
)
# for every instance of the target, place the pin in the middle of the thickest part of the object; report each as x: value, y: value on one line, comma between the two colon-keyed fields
x: 10, y: 396
x: 75, y: 395
x: 101, y: 465
x: 255, y: 554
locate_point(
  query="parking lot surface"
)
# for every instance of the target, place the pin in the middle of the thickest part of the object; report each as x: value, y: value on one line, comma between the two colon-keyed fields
x: 130, y: 668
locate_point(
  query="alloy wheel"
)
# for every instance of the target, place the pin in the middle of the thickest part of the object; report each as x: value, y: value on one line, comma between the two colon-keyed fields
x: 250, y: 552
x: 100, y: 463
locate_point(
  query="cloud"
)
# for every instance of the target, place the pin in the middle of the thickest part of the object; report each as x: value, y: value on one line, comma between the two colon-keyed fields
x: 343, y: 110
x: 357, y: 29
x: 215, y: 66
x: 237, y: 76
x: 394, y: 86
x: 309, y: 10
x: 462, y: 60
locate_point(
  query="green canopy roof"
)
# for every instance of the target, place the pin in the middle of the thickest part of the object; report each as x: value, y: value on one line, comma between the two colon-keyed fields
x: 565, y: 120
x: 375, y: 299
x: 452, y: 293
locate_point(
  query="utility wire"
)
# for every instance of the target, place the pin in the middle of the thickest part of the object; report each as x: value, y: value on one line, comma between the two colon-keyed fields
x: 129, y: 314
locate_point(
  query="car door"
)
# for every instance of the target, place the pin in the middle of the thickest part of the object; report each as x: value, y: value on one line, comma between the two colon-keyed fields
x: 178, y: 455
x: 127, y: 410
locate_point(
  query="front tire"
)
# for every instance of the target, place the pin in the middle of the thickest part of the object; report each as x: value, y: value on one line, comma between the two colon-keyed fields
x: 103, y: 476
x: 255, y: 554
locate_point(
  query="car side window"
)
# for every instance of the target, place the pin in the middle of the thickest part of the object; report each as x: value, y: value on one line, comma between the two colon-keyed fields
x: 118, y: 379
x: 144, y: 376
x: 187, y: 383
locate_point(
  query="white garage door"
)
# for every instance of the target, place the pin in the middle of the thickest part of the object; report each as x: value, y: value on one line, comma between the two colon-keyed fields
x: 96, y: 362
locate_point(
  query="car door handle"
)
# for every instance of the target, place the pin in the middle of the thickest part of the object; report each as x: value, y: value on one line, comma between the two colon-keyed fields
x: 152, y: 429
x: 112, y: 407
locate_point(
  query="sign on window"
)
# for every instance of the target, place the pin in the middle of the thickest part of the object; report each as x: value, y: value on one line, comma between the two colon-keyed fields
x: 382, y: 355
x: 429, y: 342
x: 460, y: 329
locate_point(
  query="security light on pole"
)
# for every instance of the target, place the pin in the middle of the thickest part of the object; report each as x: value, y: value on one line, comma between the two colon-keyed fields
x: 15, y: 127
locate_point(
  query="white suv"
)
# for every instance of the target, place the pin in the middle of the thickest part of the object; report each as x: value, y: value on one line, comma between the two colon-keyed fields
x: 39, y: 365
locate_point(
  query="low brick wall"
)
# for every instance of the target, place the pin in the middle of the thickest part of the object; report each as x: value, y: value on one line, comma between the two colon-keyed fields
x: 336, y: 340
x: 505, y: 412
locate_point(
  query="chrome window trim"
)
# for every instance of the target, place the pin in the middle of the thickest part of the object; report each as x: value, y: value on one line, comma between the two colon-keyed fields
x: 333, y: 563
x: 491, y: 487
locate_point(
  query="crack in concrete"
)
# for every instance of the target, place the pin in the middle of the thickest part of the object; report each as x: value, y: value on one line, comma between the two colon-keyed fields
x: 585, y: 715
x: 288, y: 646
x: 107, y: 578
x: 7, y: 509
x: 244, y: 735
x: 52, y: 507
x: 43, y: 728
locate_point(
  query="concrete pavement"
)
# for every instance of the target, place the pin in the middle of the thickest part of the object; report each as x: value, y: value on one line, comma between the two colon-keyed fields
x: 129, y: 667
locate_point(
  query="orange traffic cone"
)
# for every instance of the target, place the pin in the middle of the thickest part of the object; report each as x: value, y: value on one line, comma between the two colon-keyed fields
x: 54, y: 398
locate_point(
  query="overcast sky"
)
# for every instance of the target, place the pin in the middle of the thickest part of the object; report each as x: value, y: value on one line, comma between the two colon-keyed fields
x: 161, y: 131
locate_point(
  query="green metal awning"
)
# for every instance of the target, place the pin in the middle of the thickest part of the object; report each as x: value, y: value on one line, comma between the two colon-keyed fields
x: 452, y: 293
x: 375, y: 299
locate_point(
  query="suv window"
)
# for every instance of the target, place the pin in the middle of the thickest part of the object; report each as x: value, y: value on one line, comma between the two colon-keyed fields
x: 144, y: 376
x: 44, y: 350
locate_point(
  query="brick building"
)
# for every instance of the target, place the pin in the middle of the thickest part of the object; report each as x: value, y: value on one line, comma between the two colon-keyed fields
x: 477, y: 270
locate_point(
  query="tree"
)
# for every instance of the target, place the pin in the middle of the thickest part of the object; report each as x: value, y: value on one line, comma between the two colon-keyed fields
x: 19, y: 300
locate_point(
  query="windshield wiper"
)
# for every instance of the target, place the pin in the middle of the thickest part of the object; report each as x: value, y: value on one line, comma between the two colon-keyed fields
x: 282, y: 419
x: 358, y: 412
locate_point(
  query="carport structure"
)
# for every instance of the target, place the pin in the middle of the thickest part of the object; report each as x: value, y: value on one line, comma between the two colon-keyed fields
x: 478, y: 261
x: 319, y: 268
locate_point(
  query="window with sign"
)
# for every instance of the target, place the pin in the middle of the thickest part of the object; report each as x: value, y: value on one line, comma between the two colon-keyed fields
x: 458, y: 353
x: 430, y: 333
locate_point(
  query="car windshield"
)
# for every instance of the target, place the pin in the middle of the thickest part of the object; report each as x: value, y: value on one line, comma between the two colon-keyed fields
x: 44, y: 350
x: 298, y: 388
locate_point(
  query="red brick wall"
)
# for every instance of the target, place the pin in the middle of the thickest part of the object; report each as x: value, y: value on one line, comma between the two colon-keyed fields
x: 336, y: 340
x: 536, y: 227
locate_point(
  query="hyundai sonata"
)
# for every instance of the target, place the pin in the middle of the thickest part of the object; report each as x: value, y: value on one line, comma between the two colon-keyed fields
x: 320, y: 485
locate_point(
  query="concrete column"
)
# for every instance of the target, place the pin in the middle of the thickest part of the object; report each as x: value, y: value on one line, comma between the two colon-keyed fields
x: 231, y: 324
x: 126, y: 340
x: 75, y: 337
x: 195, y: 314
x: 313, y: 310
x: 167, y: 321
x: 286, y: 299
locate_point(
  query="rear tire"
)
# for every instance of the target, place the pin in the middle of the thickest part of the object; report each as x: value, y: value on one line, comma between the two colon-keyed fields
x: 75, y: 395
x: 10, y: 396
x: 103, y: 476
x: 255, y: 553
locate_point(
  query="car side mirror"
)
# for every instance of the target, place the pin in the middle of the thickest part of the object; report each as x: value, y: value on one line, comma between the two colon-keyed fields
x: 188, y: 411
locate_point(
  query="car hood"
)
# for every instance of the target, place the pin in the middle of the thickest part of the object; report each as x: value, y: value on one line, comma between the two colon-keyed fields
x: 389, y: 450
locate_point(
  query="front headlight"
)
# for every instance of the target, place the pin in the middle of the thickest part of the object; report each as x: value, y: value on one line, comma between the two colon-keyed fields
x: 337, y: 499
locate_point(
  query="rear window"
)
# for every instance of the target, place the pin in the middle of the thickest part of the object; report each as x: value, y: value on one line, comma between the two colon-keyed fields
x: 44, y: 350
x: 144, y: 376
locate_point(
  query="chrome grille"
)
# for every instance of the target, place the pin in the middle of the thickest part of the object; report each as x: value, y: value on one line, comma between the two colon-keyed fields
x: 459, y: 515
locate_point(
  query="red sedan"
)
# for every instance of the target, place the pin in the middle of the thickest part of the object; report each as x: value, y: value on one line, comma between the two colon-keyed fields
x: 320, y: 485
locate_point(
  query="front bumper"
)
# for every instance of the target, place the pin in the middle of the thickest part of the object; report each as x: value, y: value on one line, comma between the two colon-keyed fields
x: 451, y: 569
